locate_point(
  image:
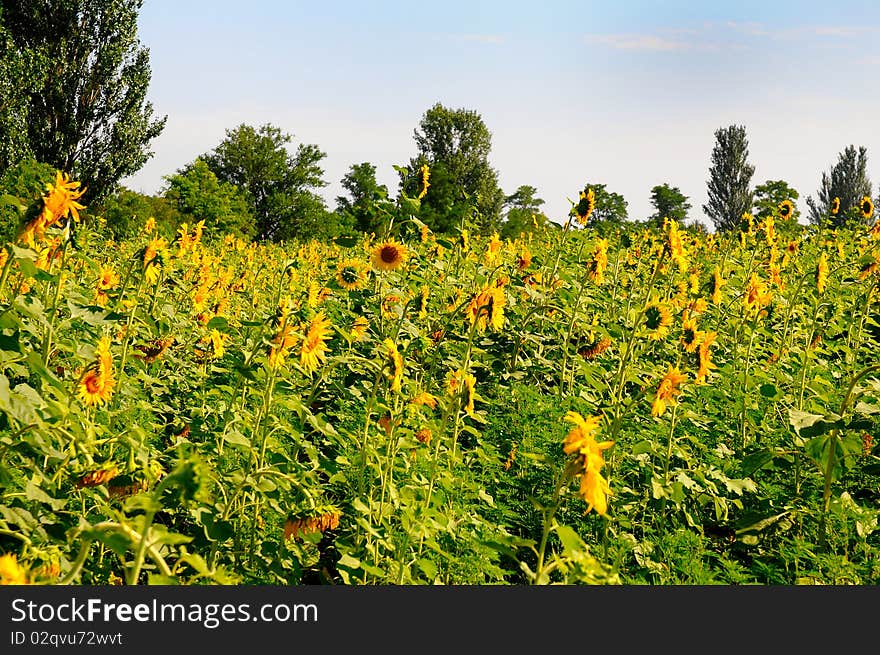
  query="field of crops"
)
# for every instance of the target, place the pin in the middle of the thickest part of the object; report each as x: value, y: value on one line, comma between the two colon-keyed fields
x: 642, y: 404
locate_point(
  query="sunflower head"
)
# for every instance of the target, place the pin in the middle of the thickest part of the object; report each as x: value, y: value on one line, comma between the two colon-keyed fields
x: 586, y: 205
x: 866, y: 207
x: 389, y: 255
x: 835, y: 206
x: 351, y: 274
x: 786, y: 209
x: 657, y: 319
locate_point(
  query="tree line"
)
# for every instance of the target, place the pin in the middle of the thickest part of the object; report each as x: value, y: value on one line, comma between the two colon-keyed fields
x: 73, y: 84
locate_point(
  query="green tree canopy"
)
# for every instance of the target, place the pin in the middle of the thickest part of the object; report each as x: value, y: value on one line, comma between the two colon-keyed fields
x: 280, y: 187
x: 770, y: 195
x: 73, y: 86
x: 197, y: 195
x: 523, y: 212
x: 455, y: 144
x: 730, y: 175
x: 847, y: 180
x: 126, y: 211
x: 360, y: 208
x: 669, y: 201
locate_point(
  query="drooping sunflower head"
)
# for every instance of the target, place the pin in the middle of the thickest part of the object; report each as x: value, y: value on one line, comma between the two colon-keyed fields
x: 389, y: 255
x: 866, y: 207
x: 835, y: 206
x: 351, y: 274
x: 786, y: 209
x: 586, y: 205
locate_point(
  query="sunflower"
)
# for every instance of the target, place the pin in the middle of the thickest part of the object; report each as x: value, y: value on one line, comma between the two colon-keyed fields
x: 704, y: 357
x: 394, y: 362
x: 313, y: 350
x: 599, y: 262
x: 96, y: 383
x: 822, y: 273
x: 835, y: 206
x: 424, y: 435
x: 426, y: 175
x: 319, y: 520
x: 586, y: 205
x: 866, y: 207
x: 426, y: 399
x: 424, y: 292
x: 351, y: 274
x: 691, y: 336
x: 493, y: 250
x: 715, y: 286
x: 757, y: 295
x: 667, y: 391
x: 470, y: 393
x: 524, y: 259
x: 61, y: 198
x: 657, y: 319
x: 581, y: 442
x: 11, y: 572
x: 676, y: 247
x: 785, y: 209
x: 359, y: 328
x: 107, y: 279
x: 487, y: 308
x: 389, y: 255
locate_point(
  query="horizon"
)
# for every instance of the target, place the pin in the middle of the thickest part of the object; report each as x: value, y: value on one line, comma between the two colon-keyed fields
x: 627, y: 96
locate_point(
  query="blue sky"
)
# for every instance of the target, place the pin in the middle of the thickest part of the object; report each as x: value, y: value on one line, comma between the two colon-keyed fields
x: 626, y: 94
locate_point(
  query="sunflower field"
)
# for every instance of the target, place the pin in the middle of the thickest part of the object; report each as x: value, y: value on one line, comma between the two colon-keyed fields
x: 641, y: 404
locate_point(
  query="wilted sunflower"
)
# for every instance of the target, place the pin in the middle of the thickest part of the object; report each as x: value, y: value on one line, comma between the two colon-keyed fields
x: 313, y: 350
x: 667, y: 391
x: 586, y: 205
x: 866, y: 207
x: 107, y: 279
x: 351, y: 274
x: 657, y: 319
x: 389, y: 255
x: 835, y: 205
x: 786, y: 209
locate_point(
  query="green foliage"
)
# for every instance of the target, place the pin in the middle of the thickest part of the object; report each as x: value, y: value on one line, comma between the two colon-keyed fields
x: 464, y: 191
x: 669, y: 202
x: 126, y: 211
x: 73, y: 91
x: 523, y: 214
x: 770, y: 195
x: 281, y: 188
x: 198, y: 195
x: 729, y: 177
x: 25, y: 182
x: 360, y: 209
x: 847, y: 180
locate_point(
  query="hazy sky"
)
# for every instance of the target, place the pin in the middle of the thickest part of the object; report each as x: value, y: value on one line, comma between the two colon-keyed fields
x: 628, y: 94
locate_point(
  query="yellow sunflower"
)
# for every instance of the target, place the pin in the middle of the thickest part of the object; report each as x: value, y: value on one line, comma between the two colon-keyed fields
x: 313, y: 350
x: 97, y: 382
x: 866, y: 207
x: 835, y: 205
x: 487, y: 308
x: 657, y: 319
x: 394, y: 363
x: 351, y: 274
x: 586, y: 205
x: 667, y: 391
x: 786, y: 209
x: 389, y: 255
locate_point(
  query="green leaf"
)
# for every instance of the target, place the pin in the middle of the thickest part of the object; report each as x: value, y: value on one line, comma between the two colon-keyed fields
x: 346, y: 241
x: 571, y: 540
x: 217, y: 323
